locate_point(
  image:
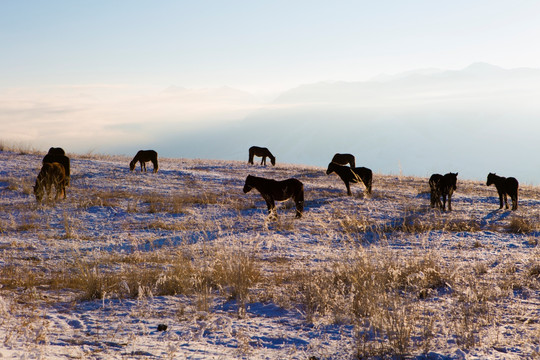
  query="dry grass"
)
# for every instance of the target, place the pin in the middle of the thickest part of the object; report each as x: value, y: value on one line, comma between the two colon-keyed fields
x: 398, y: 296
x: 521, y: 225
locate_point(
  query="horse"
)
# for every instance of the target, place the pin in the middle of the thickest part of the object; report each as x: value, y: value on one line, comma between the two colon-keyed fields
x: 442, y: 185
x: 49, y: 175
x: 55, y: 157
x: 505, y: 186
x: 352, y: 175
x: 144, y: 156
x: 262, y: 152
x: 56, y: 151
x: 272, y: 190
x: 344, y: 159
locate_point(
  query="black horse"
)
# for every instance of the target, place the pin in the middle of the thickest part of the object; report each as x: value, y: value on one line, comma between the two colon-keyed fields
x: 143, y: 156
x: 442, y: 185
x: 352, y: 175
x: 505, y: 186
x: 55, y: 156
x: 344, y: 159
x: 262, y: 152
x: 272, y: 190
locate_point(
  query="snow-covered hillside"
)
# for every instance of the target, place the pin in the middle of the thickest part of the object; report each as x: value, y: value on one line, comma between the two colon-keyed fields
x: 95, y: 275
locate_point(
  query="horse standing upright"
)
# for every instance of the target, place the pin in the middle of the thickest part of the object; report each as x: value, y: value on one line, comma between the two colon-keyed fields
x: 505, y: 186
x: 51, y: 174
x: 344, y: 159
x: 352, y: 175
x: 261, y: 152
x: 144, y: 156
x: 442, y: 185
x: 272, y: 190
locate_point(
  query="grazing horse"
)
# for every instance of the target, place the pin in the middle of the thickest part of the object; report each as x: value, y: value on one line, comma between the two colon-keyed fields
x: 352, y: 175
x: 56, y: 157
x: 442, y: 185
x: 505, y: 186
x: 272, y: 190
x: 262, y: 152
x: 344, y: 159
x: 50, y: 174
x: 144, y: 156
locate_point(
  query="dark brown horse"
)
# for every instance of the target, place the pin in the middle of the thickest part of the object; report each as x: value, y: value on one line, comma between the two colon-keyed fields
x: 352, y: 175
x: 442, y: 185
x: 272, y: 190
x: 51, y: 174
x: 505, y: 186
x: 344, y: 159
x: 144, y: 156
x: 262, y: 152
x: 57, y: 157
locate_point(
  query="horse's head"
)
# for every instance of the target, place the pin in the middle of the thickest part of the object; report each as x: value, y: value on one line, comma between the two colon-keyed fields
x: 273, y: 160
x: 453, y: 180
x: 490, y: 179
x: 38, y: 192
x: 331, y: 168
x: 131, y: 165
x: 248, y: 185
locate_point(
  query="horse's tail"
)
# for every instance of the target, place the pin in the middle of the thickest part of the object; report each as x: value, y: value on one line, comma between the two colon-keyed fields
x: 251, y: 154
x: 299, y: 199
x: 155, y: 163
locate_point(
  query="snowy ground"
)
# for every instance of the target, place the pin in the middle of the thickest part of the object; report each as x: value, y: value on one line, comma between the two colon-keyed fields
x: 118, y: 228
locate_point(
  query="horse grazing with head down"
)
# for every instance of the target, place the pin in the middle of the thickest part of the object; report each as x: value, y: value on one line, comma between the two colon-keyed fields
x: 57, y: 155
x: 51, y: 174
x: 261, y: 152
x: 272, y: 190
x: 505, y: 186
x: 344, y: 159
x: 352, y: 175
x: 144, y: 156
x: 442, y: 185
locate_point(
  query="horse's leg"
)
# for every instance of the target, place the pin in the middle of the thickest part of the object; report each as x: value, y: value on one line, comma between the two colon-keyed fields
x: 263, y: 161
x: 515, y: 201
x: 48, y: 190
x: 56, y: 189
x: 443, y: 207
x: 299, y: 201
x: 505, y: 201
x: 501, y: 200
x: 449, y: 202
x: 270, y: 203
x: 348, y: 188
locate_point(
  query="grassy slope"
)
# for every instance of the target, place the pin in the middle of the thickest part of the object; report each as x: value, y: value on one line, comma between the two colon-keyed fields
x: 396, y: 276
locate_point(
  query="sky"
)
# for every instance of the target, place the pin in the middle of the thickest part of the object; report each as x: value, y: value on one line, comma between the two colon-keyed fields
x: 84, y: 74
x: 255, y: 45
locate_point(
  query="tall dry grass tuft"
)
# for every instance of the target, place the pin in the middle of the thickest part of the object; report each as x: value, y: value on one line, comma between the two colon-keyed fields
x: 521, y: 225
x: 236, y: 273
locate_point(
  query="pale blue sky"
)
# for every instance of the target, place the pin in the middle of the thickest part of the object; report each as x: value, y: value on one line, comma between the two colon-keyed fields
x: 256, y: 45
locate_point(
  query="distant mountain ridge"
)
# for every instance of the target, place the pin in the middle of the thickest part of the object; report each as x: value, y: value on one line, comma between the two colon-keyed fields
x: 476, y: 120
x: 475, y: 78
